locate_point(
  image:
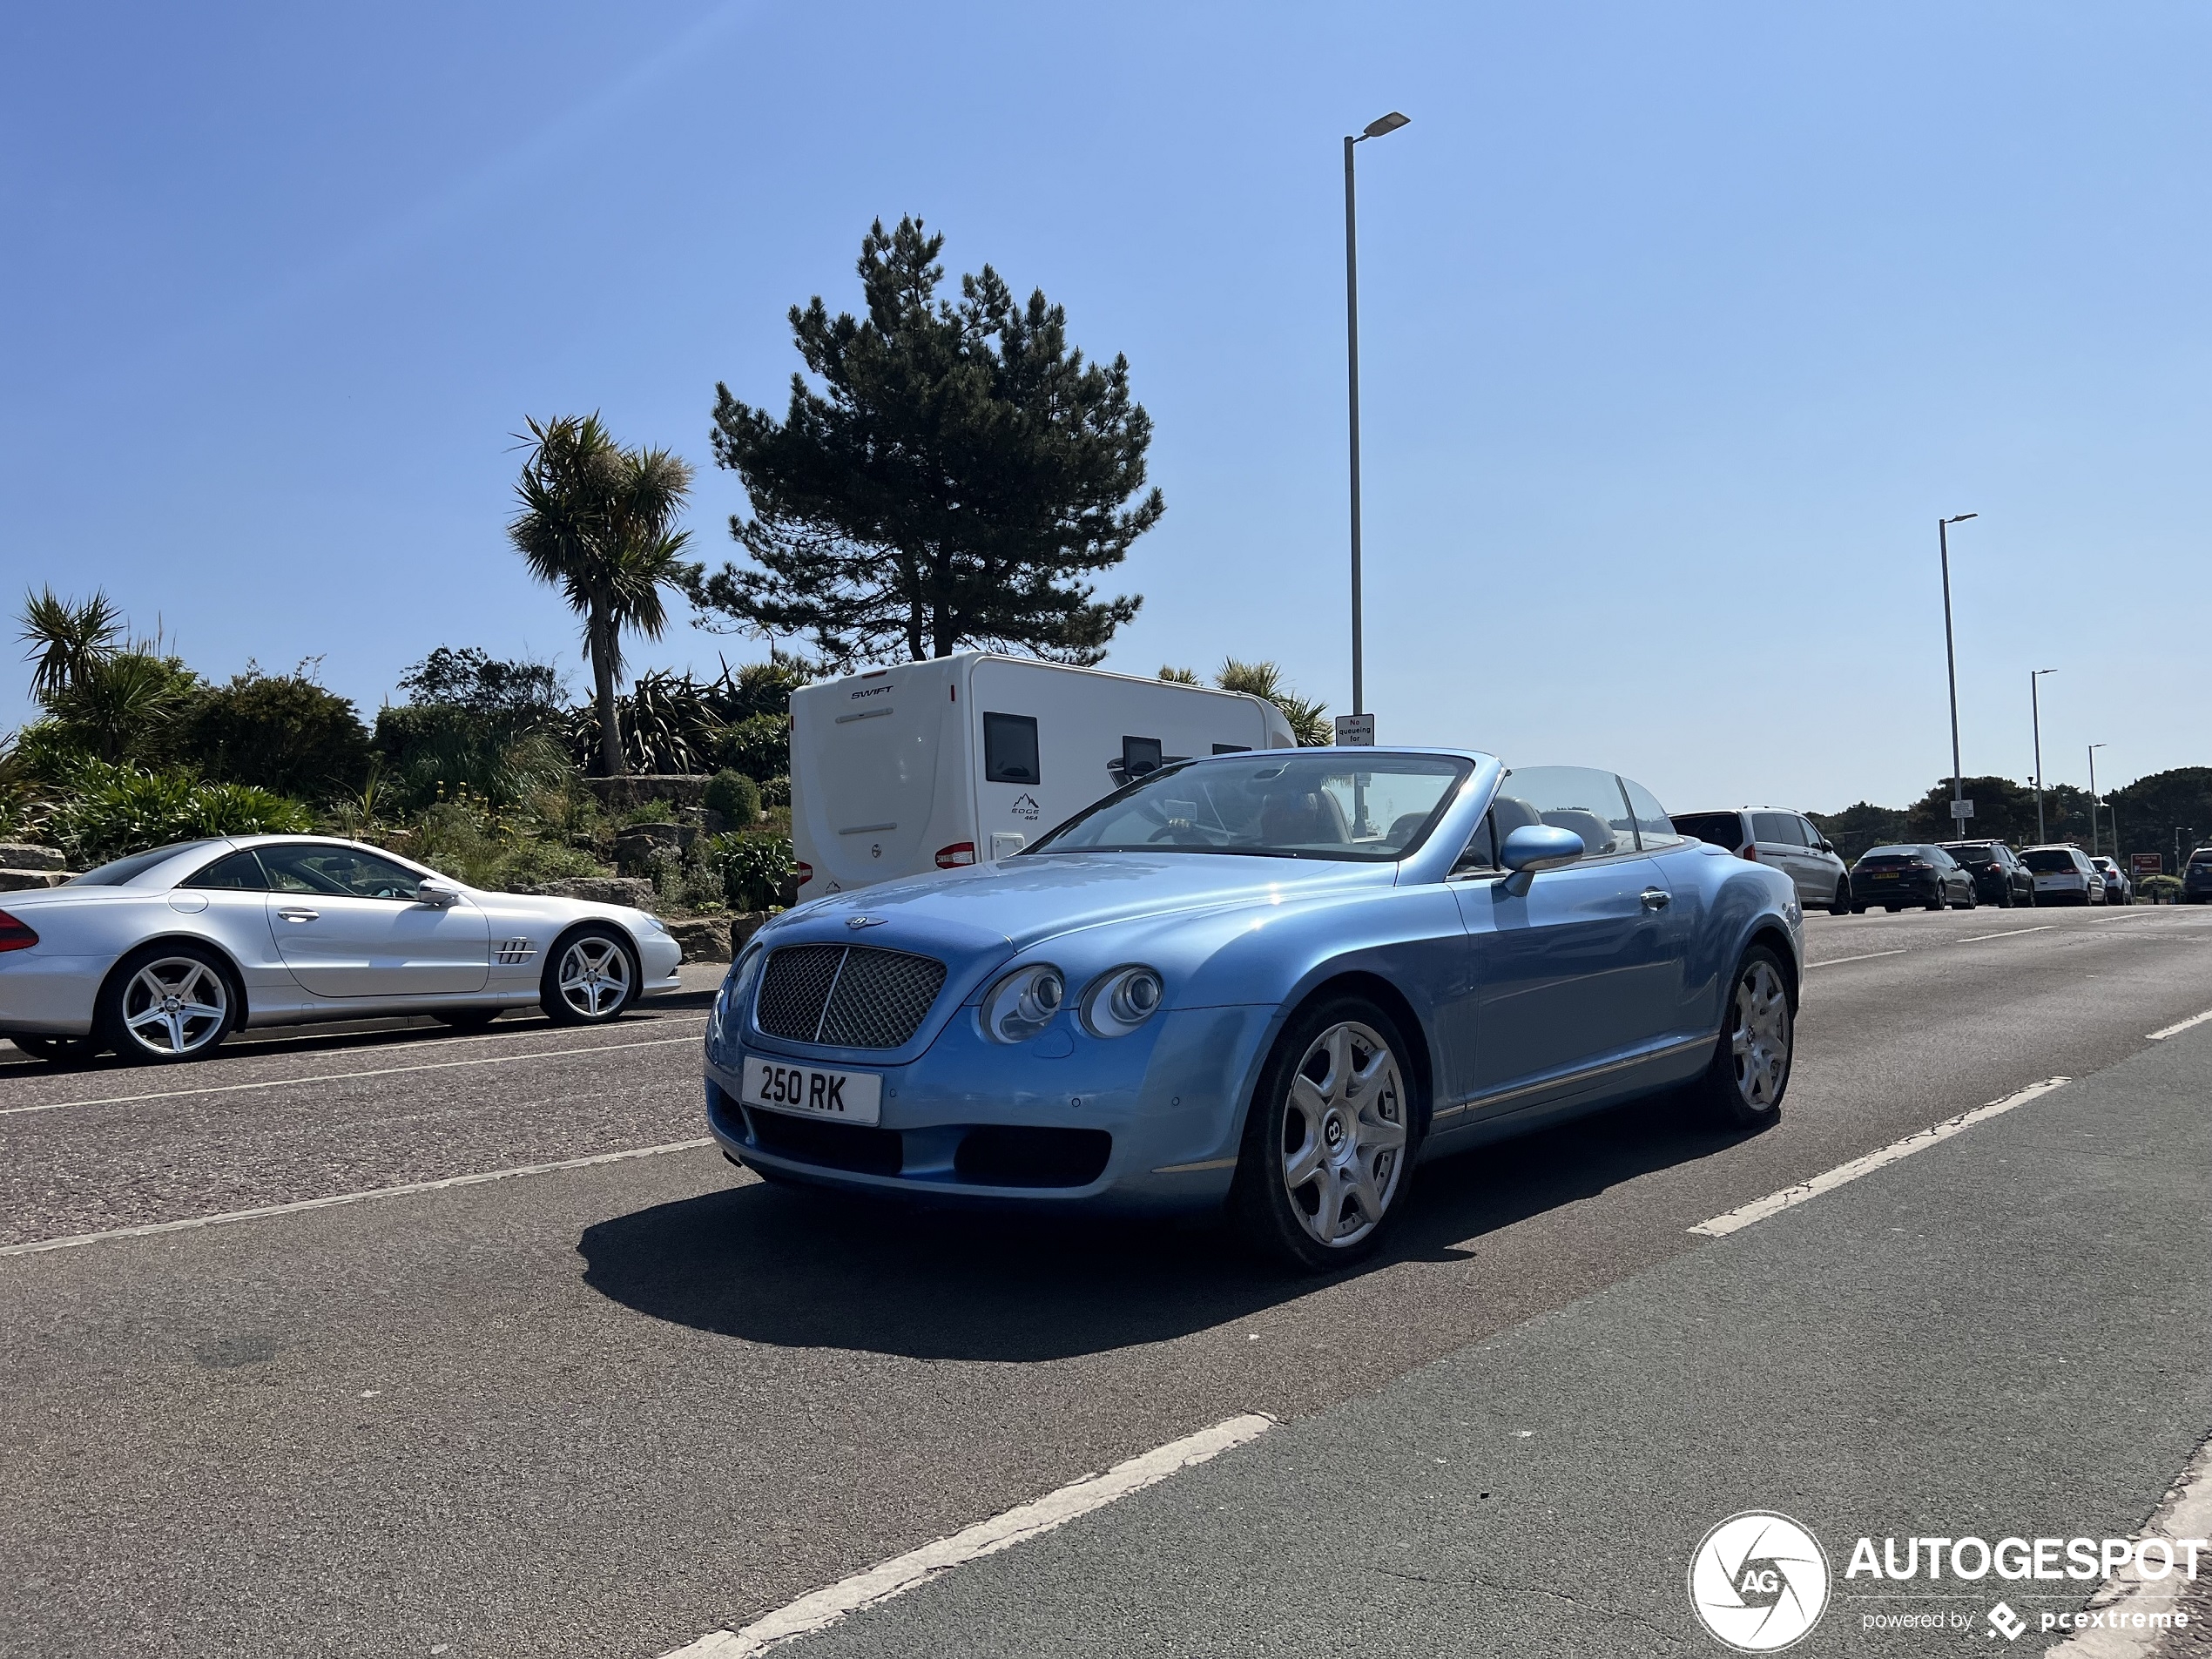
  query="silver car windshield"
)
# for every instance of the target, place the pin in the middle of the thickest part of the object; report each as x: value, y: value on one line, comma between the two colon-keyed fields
x: 1274, y: 804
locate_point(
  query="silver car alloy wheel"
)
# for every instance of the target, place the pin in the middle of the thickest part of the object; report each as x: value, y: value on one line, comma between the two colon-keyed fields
x: 1344, y: 1134
x: 1760, y: 1036
x: 175, y: 1005
x: 593, y: 976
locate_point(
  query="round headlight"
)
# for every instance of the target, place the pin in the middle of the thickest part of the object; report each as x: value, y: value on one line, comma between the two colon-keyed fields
x: 1121, y: 1000
x: 1022, y: 1004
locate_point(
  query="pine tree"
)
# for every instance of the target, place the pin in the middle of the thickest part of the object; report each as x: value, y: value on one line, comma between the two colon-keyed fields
x: 958, y: 476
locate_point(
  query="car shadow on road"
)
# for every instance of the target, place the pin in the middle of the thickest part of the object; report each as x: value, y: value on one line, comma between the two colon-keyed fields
x: 808, y: 1270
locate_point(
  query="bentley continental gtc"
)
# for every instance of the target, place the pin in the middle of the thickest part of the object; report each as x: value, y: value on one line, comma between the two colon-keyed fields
x: 1277, y: 981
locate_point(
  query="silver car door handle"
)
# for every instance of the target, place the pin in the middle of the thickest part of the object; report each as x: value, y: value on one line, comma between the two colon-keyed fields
x: 1656, y: 898
x: 299, y: 915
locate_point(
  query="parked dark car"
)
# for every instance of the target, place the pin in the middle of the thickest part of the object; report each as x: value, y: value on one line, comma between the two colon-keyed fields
x: 1999, y: 877
x: 2197, y: 877
x: 1894, y: 877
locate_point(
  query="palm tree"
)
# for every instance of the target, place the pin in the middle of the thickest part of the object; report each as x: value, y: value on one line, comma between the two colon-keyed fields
x: 67, y: 640
x: 595, y: 523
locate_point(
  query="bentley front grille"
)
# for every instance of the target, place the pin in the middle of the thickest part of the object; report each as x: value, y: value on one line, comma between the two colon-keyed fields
x: 848, y: 996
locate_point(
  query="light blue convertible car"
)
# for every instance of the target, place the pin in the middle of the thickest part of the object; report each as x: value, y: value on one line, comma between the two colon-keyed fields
x: 1275, y: 979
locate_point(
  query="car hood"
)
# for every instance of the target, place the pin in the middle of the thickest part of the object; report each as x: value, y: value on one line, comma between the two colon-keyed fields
x: 1038, y: 896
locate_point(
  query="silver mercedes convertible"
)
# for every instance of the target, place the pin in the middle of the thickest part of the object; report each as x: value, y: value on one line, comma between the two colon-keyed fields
x: 161, y: 955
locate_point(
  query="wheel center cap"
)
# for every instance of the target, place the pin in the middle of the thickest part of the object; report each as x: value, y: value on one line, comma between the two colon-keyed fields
x: 1333, y: 1132
x: 170, y: 1005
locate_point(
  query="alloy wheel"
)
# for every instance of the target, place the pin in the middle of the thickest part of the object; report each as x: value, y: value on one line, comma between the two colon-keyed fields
x: 1759, y: 1036
x: 594, y: 977
x: 175, y: 1006
x: 1344, y: 1135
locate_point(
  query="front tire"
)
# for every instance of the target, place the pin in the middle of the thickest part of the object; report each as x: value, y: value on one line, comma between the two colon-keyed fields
x: 1749, y: 1073
x: 590, y: 980
x: 1330, y: 1141
x: 167, y: 1004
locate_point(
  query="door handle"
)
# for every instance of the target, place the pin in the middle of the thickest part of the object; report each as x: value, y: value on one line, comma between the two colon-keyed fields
x: 1656, y: 898
x: 299, y: 915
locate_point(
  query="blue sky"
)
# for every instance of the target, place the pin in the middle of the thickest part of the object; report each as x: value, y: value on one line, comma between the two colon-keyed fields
x: 1680, y: 326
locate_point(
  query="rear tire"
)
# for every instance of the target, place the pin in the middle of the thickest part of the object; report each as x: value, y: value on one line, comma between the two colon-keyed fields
x: 1330, y: 1142
x: 1841, y: 906
x: 166, y: 1004
x: 1744, y: 1086
x: 590, y: 978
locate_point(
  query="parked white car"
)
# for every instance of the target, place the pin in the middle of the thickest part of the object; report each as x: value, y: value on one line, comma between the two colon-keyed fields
x: 2064, y: 875
x: 1788, y: 841
x: 161, y: 955
x: 968, y: 758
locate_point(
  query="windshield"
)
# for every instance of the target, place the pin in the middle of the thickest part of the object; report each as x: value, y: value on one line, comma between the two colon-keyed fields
x: 2050, y: 860
x: 1277, y: 804
x: 121, y: 872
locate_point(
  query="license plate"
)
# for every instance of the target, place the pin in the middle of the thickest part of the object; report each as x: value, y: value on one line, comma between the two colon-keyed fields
x: 1882, y: 875
x: 814, y: 1091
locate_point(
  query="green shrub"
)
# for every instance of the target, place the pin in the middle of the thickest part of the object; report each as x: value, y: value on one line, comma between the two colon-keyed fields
x: 132, y: 708
x: 281, y: 731
x: 735, y: 796
x: 2159, y: 889
x: 110, y: 810
x: 651, y: 812
x: 776, y: 792
x: 754, y: 868
x: 760, y: 747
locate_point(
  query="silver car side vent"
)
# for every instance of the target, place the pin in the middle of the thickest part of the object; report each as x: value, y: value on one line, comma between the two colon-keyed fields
x: 512, y: 951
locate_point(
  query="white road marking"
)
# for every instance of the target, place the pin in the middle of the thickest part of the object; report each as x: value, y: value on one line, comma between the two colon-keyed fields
x: 72, y: 1240
x: 2131, y: 1604
x: 823, y: 1608
x: 1838, y: 961
x: 346, y: 1076
x: 2009, y: 932
x: 2177, y: 1029
x: 1920, y: 1140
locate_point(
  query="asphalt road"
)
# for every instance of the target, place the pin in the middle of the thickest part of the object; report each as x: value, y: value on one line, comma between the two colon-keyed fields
x: 606, y: 1408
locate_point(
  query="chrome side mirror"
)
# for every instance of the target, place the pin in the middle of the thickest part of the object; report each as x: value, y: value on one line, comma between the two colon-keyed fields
x: 436, y: 895
x: 1538, y: 846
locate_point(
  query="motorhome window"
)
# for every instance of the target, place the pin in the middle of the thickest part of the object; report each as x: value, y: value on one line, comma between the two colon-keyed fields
x: 1140, y: 757
x: 1010, y: 749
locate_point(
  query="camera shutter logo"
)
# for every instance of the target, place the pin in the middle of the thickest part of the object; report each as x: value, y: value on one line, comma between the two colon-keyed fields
x: 1758, y: 1582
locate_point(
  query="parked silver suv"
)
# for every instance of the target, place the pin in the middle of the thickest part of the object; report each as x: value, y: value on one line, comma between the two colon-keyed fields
x: 1785, y: 840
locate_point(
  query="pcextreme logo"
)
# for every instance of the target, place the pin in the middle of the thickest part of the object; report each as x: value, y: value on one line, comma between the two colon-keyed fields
x: 1758, y: 1582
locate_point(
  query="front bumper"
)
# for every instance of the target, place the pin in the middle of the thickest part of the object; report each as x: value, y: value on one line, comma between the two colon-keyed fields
x: 1149, y: 1122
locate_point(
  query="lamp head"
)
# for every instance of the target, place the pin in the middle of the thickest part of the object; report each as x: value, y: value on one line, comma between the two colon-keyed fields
x: 1960, y: 518
x: 1381, y: 124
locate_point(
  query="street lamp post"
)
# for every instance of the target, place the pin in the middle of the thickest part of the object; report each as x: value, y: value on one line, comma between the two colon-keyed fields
x: 2035, y: 713
x: 1951, y: 667
x: 2094, y: 805
x: 1374, y: 129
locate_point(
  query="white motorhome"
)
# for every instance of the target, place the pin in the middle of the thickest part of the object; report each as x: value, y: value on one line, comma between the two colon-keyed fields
x: 970, y: 758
